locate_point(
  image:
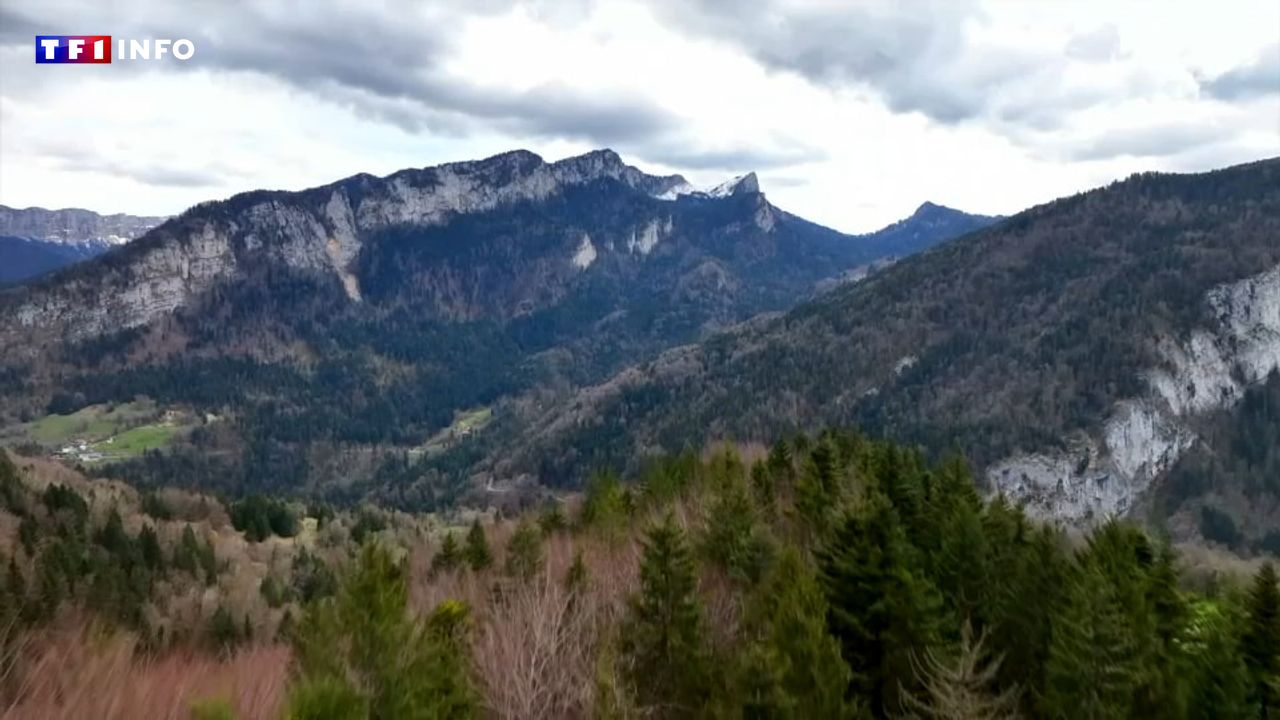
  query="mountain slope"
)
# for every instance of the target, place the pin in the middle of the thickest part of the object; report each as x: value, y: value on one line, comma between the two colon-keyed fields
x: 355, y: 319
x: 1070, y: 349
x: 22, y: 258
x: 34, y: 241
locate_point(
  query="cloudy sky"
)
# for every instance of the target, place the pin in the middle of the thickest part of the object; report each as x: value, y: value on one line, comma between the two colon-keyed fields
x: 852, y: 113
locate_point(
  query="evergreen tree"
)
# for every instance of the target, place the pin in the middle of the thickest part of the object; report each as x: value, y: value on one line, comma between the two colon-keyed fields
x: 663, y: 637
x: 1092, y: 670
x: 961, y: 563
x: 449, y: 557
x: 604, y: 508
x: 15, y: 581
x: 29, y: 535
x: 552, y: 519
x: 817, y: 494
x: 13, y: 495
x: 208, y: 562
x: 222, y: 631
x: 791, y: 667
x: 734, y: 539
x: 1213, y: 671
x: 149, y: 548
x: 524, y: 552
x: 186, y: 556
x: 477, y: 551
x: 764, y: 489
x: 113, y: 537
x: 1260, y: 644
x: 1027, y: 571
x: 312, y: 578
x: 882, y: 608
x: 362, y: 652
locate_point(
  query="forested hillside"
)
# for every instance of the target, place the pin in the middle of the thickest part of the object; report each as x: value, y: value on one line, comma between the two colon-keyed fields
x: 832, y: 576
x: 1020, y: 339
x: 341, y: 328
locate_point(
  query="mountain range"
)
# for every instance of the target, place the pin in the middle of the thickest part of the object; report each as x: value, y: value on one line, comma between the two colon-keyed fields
x: 34, y: 241
x: 472, y: 328
x: 340, y: 328
x: 1110, y: 353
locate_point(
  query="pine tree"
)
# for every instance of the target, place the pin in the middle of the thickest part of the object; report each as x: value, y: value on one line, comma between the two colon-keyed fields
x: 604, y: 509
x: 449, y: 556
x: 817, y: 494
x: 222, y: 631
x: 961, y: 563
x: 734, y: 539
x: 963, y: 686
x: 1162, y: 613
x: 208, y: 562
x: 524, y: 552
x: 780, y: 465
x: 477, y: 550
x: 882, y: 608
x: 149, y: 548
x: 13, y: 495
x: 113, y: 537
x: 792, y: 667
x: 663, y: 636
x: 1092, y: 670
x: 1260, y: 645
x: 362, y: 652
x: 186, y: 556
x: 552, y: 519
x: 1213, y: 673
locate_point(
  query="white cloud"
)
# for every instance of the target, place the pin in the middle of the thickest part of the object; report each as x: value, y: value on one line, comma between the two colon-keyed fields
x: 856, y: 113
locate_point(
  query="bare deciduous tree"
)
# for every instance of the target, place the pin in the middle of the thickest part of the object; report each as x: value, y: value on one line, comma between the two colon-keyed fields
x: 961, y: 686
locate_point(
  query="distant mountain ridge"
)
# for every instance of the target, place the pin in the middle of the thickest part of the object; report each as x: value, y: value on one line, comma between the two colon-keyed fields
x: 1074, y: 352
x: 34, y: 240
x: 368, y: 311
x: 73, y: 226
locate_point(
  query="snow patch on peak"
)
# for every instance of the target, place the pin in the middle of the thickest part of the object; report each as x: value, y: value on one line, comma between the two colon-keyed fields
x: 585, y: 254
x: 739, y: 185
x: 675, y: 191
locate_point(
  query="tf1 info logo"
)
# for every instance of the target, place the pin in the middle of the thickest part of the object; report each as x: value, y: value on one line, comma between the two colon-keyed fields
x: 96, y: 49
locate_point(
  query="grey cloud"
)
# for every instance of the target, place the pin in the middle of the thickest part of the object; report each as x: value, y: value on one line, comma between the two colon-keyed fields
x: 80, y: 156
x: 1099, y: 45
x: 1158, y: 141
x: 734, y: 158
x: 1256, y: 79
x: 387, y: 64
x: 915, y: 56
x: 148, y: 174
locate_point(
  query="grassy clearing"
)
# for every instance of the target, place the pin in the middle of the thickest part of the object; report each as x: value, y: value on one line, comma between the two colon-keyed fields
x: 136, y: 441
x: 109, y: 433
x: 91, y: 424
x: 464, y: 423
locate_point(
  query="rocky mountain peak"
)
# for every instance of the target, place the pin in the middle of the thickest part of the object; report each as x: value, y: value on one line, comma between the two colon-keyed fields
x: 73, y: 226
x: 748, y: 183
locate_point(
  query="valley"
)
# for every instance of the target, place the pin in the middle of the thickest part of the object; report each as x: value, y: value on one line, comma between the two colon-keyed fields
x: 336, y: 328
x: 639, y: 360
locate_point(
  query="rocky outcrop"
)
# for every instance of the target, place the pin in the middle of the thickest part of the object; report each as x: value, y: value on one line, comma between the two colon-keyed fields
x: 319, y: 230
x: 73, y: 226
x: 1099, y: 477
